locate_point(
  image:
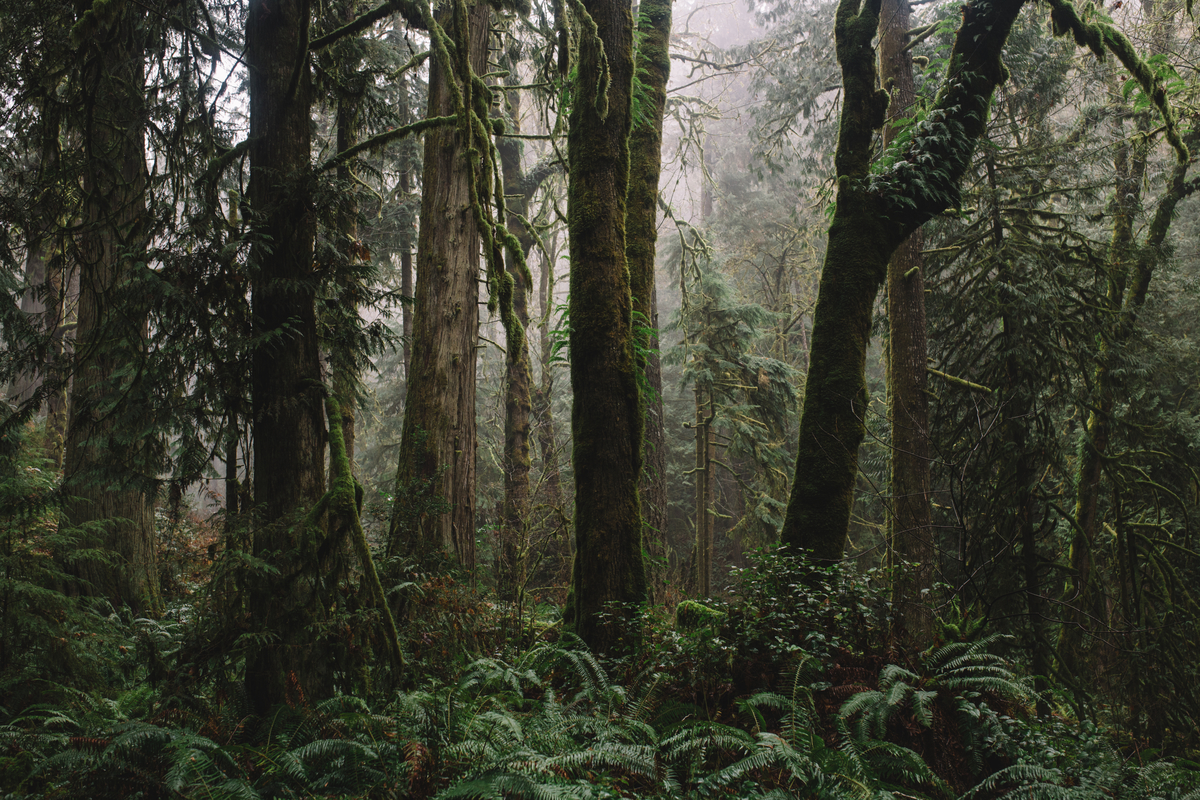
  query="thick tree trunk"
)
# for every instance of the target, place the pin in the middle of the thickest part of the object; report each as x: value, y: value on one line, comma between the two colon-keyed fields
x: 287, y: 394
x: 873, y: 216
x: 103, y: 473
x: 653, y: 64
x: 910, y: 526
x: 609, y: 580
x: 435, y: 479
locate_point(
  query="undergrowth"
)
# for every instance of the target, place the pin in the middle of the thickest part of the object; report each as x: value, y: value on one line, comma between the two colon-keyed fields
x: 785, y: 689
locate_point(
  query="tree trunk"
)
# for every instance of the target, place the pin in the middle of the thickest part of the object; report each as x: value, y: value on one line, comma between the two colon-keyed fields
x: 609, y: 579
x: 703, y: 471
x: 286, y: 386
x: 518, y: 380
x: 555, y: 519
x: 873, y: 216
x: 406, y: 283
x: 434, y: 510
x: 641, y: 237
x: 103, y: 451
x: 345, y: 365
x: 910, y: 526
x: 42, y: 300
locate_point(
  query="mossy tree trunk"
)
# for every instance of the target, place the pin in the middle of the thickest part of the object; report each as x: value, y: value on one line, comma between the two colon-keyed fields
x: 874, y: 215
x: 609, y: 579
x: 104, y: 473
x: 518, y: 378
x: 910, y: 526
x: 435, y: 480
x: 653, y: 66
x: 287, y: 394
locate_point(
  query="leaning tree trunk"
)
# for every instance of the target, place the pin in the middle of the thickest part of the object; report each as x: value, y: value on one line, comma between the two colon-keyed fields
x: 434, y: 510
x: 872, y: 218
x: 641, y: 237
x: 287, y: 394
x: 104, y: 450
x: 910, y: 526
x: 609, y: 578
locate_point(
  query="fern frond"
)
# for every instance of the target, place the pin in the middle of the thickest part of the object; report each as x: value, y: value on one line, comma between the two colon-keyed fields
x: 1033, y: 780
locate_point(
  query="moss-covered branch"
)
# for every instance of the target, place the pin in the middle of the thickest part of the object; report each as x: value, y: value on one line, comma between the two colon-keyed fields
x: 405, y: 8
x: 385, y: 138
x: 1099, y: 35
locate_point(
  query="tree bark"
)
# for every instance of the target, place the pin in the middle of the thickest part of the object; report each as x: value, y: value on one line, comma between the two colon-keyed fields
x: 518, y: 379
x: 545, y: 432
x: 653, y: 65
x: 345, y: 365
x: 609, y: 580
x: 103, y: 471
x: 703, y: 470
x: 434, y: 510
x: 873, y: 216
x: 910, y: 526
x: 287, y: 393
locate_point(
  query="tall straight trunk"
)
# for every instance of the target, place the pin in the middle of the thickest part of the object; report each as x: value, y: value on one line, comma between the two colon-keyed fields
x: 345, y: 365
x: 653, y: 65
x: 406, y: 241
x: 406, y: 281
x: 518, y: 380
x: 42, y: 300
x: 910, y: 526
x: 45, y: 298
x: 872, y: 218
x: 287, y: 403
x: 545, y: 432
x: 703, y: 471
x: 103, y: 449
x: 609, y: 578
x: 435, y: 479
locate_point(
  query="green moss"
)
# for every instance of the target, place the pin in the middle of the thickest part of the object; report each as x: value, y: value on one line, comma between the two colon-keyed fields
x: 692, y: 616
